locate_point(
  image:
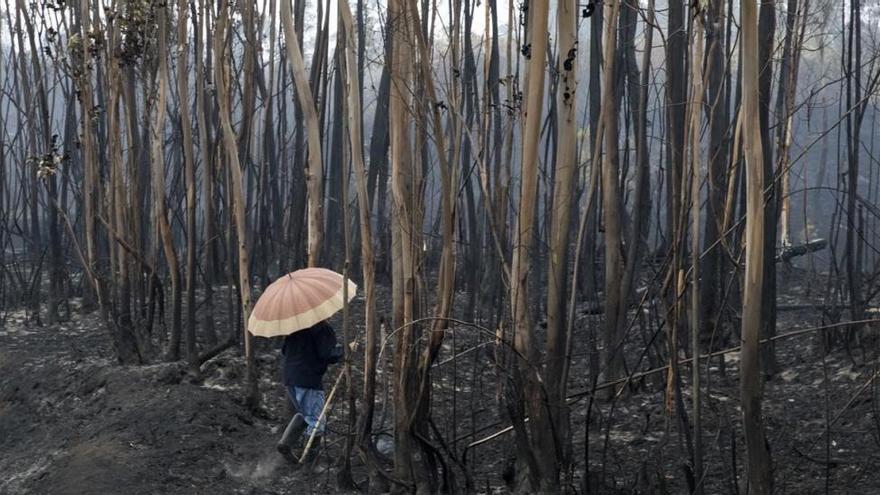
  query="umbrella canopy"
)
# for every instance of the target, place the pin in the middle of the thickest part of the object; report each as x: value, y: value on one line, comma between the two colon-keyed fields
x: 297, y: 301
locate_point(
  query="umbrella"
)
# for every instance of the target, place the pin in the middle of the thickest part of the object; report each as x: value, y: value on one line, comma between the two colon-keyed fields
x: 297, y: 301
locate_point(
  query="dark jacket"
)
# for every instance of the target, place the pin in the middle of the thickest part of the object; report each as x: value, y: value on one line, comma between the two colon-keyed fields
x: 306, y: 355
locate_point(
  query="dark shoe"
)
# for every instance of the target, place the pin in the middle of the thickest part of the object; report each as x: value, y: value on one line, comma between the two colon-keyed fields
x: 286, y: 452
x: 291, y: 435
x: 314, y: 451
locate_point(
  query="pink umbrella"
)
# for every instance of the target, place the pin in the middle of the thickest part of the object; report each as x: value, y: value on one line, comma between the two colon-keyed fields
x: 297, y: 301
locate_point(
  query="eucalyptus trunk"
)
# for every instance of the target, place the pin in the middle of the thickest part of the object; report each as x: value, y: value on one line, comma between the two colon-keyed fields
x: 236, y: 192
x: 314, y: 172
x: 751, y: 380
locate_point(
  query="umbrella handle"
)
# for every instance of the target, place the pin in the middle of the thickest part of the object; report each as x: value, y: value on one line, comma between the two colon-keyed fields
x: 321, y: 417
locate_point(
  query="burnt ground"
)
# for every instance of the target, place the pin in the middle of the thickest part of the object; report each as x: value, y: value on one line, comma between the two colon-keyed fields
x: 72, y: 421
x: 822, y: 412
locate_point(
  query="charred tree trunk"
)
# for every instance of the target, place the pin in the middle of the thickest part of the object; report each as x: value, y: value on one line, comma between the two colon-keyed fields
x: 160, y: 211
x: 314, y: 171
x: 557, y: 442
x: 760, y: 479
x: 190, y: 178
x: 236, y: 192
x: 611, y: 204
x: 854, y: 118
x: 766, y: 33
x: 368, y: 397
x: 406, y: 246
x: 719, y: 122
x: 206, y: 148
x: 526, y: 391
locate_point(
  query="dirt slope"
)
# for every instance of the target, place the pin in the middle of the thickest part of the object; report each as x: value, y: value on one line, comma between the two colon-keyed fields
x: 71, y: 421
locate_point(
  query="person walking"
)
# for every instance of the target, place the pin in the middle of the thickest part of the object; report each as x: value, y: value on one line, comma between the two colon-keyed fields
x: 306, y: 355
x: 297, y: 306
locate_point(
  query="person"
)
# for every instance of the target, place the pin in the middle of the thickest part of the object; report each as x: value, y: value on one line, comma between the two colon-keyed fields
x: 306, y: 356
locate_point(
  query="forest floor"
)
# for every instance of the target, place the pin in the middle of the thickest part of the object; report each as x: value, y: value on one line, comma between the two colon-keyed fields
x: 821, y: 411
x: 72, y: 421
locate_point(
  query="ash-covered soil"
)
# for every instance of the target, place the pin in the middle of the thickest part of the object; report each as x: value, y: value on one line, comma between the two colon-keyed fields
x: 73, y: 421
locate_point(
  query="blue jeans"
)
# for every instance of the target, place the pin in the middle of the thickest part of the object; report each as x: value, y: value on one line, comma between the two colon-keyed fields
x: 309, y: 402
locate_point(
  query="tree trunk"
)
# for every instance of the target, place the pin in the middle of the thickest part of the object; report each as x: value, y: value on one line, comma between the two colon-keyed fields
x: 695, y: 128
x: 751, y: 380
x: 160, y: 211
x: 718, y: 158
x: 206, y: 148
x: 314, y: 171
x: 368, y: 398
x: 559, y: 442
x: 406, y: 229
x: 90, y: 173
x: 525, y: 387
x: 48, y: 145
x: 190, y: 177
x: 766, y: 34
x: 419, y: 416
x: 590, y: 284
x: 611, y: 204
x: 854, y: 144
x: 221, y: 77
x: 676, y: 103
x: 125, y: 340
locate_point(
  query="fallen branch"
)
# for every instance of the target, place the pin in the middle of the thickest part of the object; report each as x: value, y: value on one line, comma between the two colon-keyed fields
x: 789, y: 252
x: 216, y: 350
x: 806, y: 307
x: 823, y: 307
